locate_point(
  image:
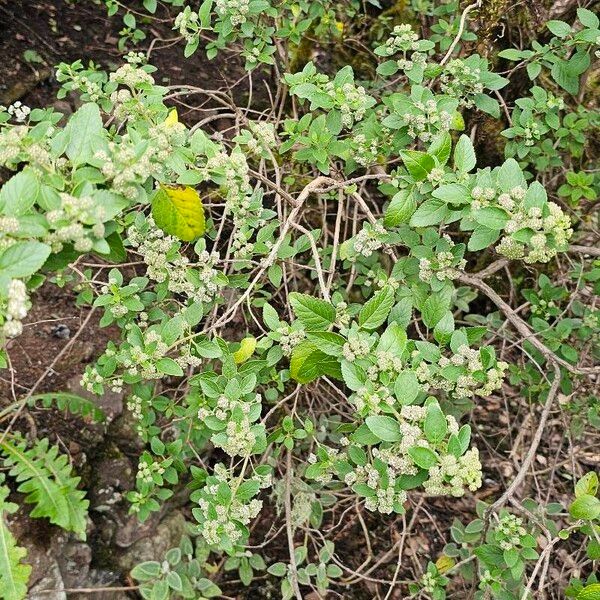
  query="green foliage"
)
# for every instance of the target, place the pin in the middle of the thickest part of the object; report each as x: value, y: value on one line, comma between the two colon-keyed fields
x: 14, y: 574
x: 45, y: 477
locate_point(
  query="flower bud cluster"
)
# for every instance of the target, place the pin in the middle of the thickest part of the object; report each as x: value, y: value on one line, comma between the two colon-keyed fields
x: 350, y: 99
x: 552, y: 234
x: 164, y: 262
x: 461, y: 81
x: 187, y: 22
x: 444, y: 266
x: 19, y: 111
x: 509, y: 532
x: 16, y: 305
x: 69, y: 223
x: 364, y: 152
x: 466, y: 385
x: 11, y: 141
x: 369, y: 239
x: 132, y: 76
x: 236, y: 11
x: 290, y: 338
x: 430, y: 121
x: 454, y: 475
x: 218, y: 519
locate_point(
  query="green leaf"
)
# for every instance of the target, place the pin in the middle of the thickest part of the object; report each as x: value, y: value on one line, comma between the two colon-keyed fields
x: 585, y: 507
x: 146, y: 571
x: 464, y: 155
x: 559, y: 28
x: 314, y: 314
x: 82, y: 135
x: 385, y: 428
x: 435, y: 426
x: 588, y: 484
x: 400, y: 209
x: 45, y: 477
x: 488, y: 105
x: 590, y: 592
x: 407, y: 387
x: 491, y: 217
x: 327, y: 341
x: 178, y: 211
x: 19, y: 193
x: 377, y: 309
x: 308, y: 362
x: 419, y: 164
x: 482, y: 237
x: 431, y: 212
x: 14, y: 574
x: 278, y: 569
x: 168, y: 366
x: 588, y: 18
x: 423, y: 457
x: 434, y: 308
x: 23, y: 259
x: 510, y: 175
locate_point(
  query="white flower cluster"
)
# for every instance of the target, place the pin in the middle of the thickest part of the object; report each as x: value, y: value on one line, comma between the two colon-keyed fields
x: 555, y: 227
x: 466, y: 385
x: 459, y: 80
x: 385, y: 497
x: 147, y: 470
x: 19, y: 111
x: 443, y: 266
x: 234, y: 10
x: 8, y: 227
x: 369, y: 239
x: 238, y: 438
x: 387, y: 362
x: 238, y: 197
x: 482, y: 197
x: 403, y: 38
x: 509, y: 532
x: 16, y: 307
x: 69, y: 223
x: 217, y: 519
x: 370, y: 399
x: 11, y: 139
x: 454, y: 475
x: 364, y: 152
x: 131, y: 76
x: 290, y: 338
x: 352, y: 101
x: 187, y: 22
x: 355, y: 347
x: 428, y: 582
x: 263, y: 136
x: 164, y: 263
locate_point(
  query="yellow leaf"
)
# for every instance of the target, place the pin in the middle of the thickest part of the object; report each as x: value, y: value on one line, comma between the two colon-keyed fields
x: 172, y: 118
x: 444, y: 563
x: 178, y: 211
x: 247, y: 347
x: 339, y: 26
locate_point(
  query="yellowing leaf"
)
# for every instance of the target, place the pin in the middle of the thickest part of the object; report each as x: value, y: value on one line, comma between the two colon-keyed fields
x: 172, y: 118
x: 444, y: 563
x: 339, y: 26
x: 178, y: 211
x: 247, y: 347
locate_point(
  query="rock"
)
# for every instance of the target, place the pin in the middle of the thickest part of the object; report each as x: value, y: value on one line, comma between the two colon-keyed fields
x: 110, y: 402
x: 74, y: 561
x: 52, y: 580
x: 113, y: 477
x: 167, y: 535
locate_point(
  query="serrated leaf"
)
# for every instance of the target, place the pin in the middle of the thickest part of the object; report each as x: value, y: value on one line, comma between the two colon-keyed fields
x: 418, y: 164
x: 314, y: 314
x: 23, y: 259
x: 377, y: 309
x: 464, y: 155
x: 423, y: 457
x: 178, y: 211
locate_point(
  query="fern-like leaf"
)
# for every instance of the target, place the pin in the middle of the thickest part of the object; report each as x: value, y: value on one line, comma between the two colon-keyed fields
x: 14, y: 574
x: 73, y: 403
x: 45, y: 476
